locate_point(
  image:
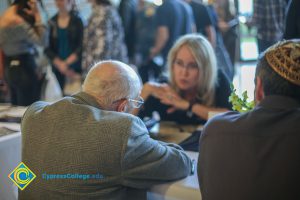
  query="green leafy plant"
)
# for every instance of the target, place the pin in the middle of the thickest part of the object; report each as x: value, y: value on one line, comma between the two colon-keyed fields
x: 240, y: 104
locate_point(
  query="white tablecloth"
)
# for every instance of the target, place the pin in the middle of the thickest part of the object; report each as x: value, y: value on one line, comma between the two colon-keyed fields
x: 185, y: 189
x: 10, y: 157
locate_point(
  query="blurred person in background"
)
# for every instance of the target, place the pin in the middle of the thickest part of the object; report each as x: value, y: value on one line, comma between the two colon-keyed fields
x: 173, y: 19
x: 65, y: 41
x: 268, y: 17
x: 203, y: 21
x: 145, y: 30
x: 104, y: 35
x: 227, y: 11
x: 222, y: 55
x: 145, y: 37
x: 195, y: 86
x: 292, y: 22
x: 21, y: 29
x: 128, y: 14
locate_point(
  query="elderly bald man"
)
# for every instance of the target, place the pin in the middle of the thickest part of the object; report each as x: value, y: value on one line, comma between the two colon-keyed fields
x: 87, y: 146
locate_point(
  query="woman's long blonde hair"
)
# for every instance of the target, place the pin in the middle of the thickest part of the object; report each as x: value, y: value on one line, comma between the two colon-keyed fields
x: 205, y: 57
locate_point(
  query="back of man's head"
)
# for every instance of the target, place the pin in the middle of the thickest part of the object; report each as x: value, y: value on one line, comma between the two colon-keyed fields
x: 110, y: 81
x: 279, y: 69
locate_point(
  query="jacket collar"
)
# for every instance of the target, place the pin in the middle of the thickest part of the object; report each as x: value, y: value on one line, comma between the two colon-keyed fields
x: 87, y: 99
x: 279, y: 102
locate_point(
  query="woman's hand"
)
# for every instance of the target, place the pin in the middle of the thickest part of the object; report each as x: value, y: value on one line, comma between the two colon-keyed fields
x: 151, y: 89
x: 166, y: 95
x: 33, y: 10
x: 71, y: 59
x: 171, y: 98
x: 60, y: 65
x: 73, y: 75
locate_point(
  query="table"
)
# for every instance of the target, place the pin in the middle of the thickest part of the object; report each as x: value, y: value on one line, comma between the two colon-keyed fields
x: 10, y: 157
x: 10, y: 148
x: 10, y: 113
x: 185, y: 189
x: 171, y: 132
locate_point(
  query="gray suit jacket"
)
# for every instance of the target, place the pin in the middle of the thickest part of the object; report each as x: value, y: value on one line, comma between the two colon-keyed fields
x: 74, y: 137
x: 252, y: 156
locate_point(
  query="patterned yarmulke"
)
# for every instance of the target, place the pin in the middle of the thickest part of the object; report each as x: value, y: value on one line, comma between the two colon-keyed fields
x: 284, y: 58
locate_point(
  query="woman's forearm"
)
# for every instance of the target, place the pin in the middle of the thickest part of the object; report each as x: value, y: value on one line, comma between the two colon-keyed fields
x: 202, y: 111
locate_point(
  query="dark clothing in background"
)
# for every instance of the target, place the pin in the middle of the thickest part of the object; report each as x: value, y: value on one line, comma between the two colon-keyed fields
x: 73, y: 44
x: 145, y: 32
x: 128, y: 13
x: 292, y: 22
x: 177, y: 16
x: 19, y: 46
x: 202, y: 17
x: 223, y: 59
x: 269, y: 17
x: 21, y: 76
x: 254, y: 155
x: 221, y: 100
x: 227, y: 12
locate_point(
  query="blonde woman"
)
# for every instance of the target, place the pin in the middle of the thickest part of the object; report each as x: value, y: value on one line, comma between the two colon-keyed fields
x: 195, y: 86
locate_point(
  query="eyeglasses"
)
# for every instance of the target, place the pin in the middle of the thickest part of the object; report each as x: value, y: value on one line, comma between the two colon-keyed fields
x: 137, y: 103
x: 189, y: 66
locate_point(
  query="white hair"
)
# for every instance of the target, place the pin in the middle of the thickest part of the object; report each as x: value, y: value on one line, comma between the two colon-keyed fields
x: 121, y: 83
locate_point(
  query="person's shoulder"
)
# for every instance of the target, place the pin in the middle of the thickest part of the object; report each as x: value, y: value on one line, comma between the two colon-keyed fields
x: 225, y: 117
x: 38, y: 105
x: 75, y: 15
x: 77, y: 20
x: 9, y: 19
x: 223, y: 122
x: 126, y: 124
x: 34, y: 109
x: 126, y: 118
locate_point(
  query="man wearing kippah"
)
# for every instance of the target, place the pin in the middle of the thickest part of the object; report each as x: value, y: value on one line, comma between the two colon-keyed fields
x: 256, y: 155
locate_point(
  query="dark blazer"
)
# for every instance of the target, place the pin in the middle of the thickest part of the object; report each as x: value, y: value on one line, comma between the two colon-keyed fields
x: 292, y: 20
x: 75, y: 136
x: 253, y: 155
x: 75, y: 36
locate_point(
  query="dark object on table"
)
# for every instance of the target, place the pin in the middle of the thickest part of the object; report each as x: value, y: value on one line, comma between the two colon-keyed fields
x: 5, y: 131
x: 11, y: 119
x: 192, y: 142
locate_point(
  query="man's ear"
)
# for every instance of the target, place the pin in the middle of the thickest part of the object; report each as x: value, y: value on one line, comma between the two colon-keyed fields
x: 259, y: 90
x: 122, y: 105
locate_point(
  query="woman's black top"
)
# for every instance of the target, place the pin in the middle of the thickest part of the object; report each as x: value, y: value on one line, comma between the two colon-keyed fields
x: 182, y: 117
